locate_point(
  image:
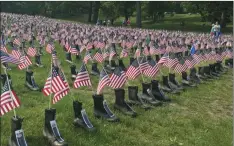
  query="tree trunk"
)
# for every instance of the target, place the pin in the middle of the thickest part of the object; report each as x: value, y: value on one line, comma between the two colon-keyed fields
x: 222, y: 21
x: 96, y: 11
x: 138, y: 18
x: 90, y: 11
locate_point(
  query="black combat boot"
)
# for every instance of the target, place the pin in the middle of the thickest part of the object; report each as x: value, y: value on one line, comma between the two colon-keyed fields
x: 30, y: 82
x: 173, y: 80
x: 81, y: 118
x: 121, y: 65
x: 95, y: 70
x: 213, y: 70
x: 148, y: 96
x: 149, y: 58
x: 101, y: 109
x: 158, y: 93
x: 167, y: 85
x: 17, y: 135
x: 157, y: 58
x: 51, y: 131
x: 38, y: 61
x: 73, y: 72
x: 68, y: 57
x: 194, y: 77
x: 201, y: 73
x: 207, y: 72
x: 135, y: 99
x: 121, y: 105
x: 187, y: 82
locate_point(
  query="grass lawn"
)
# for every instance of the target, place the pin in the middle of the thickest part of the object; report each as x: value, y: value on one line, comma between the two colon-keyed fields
x: 192, y: 23
x: 198, y: 117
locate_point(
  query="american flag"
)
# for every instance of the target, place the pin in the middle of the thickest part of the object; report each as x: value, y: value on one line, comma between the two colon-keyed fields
x: 16, y: 53
x: 49, y: 48
x: 153, y: 50
x: 24, y: 62
x: 129, y: 45
x: 152, y: 70
x: 68, y: 47
x: 101, y: 45
x: 89, y: 46
x: 218, y: 57
x: 112, y: 53
x: 118, y: 78
x: 4, y: 49
x: 82, y: 78
x: 163, y: 59
x: 137, y: 53
x: 124, y: 53
x: 143, y: 63
x: 181, y: 66
x: 32, y: 51
x: 172, y: 61
x: 190, y: 62
x: 17, y: 42
x: 63, y: 92
x: 198, y: 57
x: 103, y: 81
x: 5, y: 58
x: 73, y: 50
x: 106, y: 54
x: 87, y: 57
x: 98, y: 56
x: 133, y: 70
x: 146, y: 51
x: 9, y: 100
x: 53, y: 84
x: 229, y: 54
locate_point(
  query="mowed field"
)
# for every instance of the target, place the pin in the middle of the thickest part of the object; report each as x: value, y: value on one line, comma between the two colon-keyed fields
x: 199, y: 116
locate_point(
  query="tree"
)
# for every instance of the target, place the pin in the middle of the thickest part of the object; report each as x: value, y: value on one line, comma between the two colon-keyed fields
x: 138, y: 17
x: 90, y: 11
x: 96, y: 11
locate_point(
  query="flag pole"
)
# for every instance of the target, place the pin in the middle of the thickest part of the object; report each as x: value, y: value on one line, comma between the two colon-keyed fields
x: 51, y: 66
x: 5, y: 70
x: 140, y: 70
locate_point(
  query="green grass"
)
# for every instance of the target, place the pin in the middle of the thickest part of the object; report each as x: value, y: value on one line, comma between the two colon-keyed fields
x: 198, y: 117
x: 192, y: 23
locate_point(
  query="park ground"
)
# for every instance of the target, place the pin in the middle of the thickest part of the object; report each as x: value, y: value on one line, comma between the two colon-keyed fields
x: 199, y: 116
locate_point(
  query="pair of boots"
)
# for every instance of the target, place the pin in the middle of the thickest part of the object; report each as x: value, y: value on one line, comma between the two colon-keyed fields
x: 171, y: 85
x: 186, y: 81
x: 51, y: 131
x: 95, y: 71
x: 194, y: 77
x: 17, y: 136
x: 220, y: 67
x: 30, y: 82
x: 74, y: 72
x: 153, y: 91
x: 38, y: 61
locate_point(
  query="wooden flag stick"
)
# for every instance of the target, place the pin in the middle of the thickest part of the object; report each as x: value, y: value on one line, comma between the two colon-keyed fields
x: 51, y: 66
x: 5, y: 70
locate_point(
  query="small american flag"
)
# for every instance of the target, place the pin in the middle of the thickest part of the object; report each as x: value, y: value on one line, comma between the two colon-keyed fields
x: 118, y: 78
x: 4, y: 49
x: 112, y: 53
x: 153, y: 50
x: 5, y: 58
x: 152, y: 70
x: 89, y: 46
x: 101, y: 45
x: 163, y: 59
x: 137, y: 53
x: 133, y: 70
x: 24, y: 62
x: 49, y: 48
x: 180, y: 67
x: 103, y: 81
x: 106, y: 54
x: 82, y: 78
x: 73, y: 50
x: 16, y: 53
x: 87, y: 57
x: 9, y: 100
x: 32, y: 51
x: 17, y: 42
x: 172, y: 61
x: 190, y: 62
x: 68, y: 47
x: 146, y: 51
x: 98, y: 56
x: 53, y: 84
x: 143, y: 63
x: 124, y: 53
